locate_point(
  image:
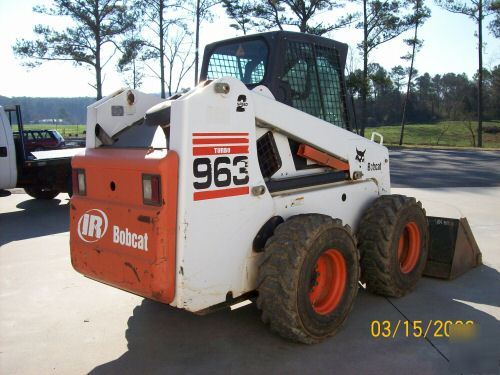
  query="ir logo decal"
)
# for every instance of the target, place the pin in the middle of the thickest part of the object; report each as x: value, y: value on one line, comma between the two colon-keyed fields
x: 92, y: 225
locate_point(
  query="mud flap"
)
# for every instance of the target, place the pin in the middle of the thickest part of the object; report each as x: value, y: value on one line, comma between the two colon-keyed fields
x: 452, y: 248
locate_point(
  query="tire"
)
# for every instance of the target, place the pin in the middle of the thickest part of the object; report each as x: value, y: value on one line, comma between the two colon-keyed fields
x: 295, y: 300
x: 393, y: 240
x: 39, y: 193
x: 69, y: 185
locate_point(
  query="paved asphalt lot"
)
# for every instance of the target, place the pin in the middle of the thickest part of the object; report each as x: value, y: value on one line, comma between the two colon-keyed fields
x: 425, y: 168
x: 53, y: 320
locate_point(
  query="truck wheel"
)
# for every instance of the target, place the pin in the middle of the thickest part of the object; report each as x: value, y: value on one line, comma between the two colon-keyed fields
x: 393, y: 240
x: 69, y: 185
x: 309, y: 278
x: 39, y: 193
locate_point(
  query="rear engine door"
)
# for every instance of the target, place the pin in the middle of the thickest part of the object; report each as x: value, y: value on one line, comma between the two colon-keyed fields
x: 123, y: 219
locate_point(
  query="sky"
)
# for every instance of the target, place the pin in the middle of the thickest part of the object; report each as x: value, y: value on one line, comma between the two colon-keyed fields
x: 449, y: 46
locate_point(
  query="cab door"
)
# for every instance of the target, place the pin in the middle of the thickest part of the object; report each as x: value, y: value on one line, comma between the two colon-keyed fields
x: 8, y: 171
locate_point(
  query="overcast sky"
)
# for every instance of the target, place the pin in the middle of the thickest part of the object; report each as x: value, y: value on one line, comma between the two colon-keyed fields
x: 449, y: 46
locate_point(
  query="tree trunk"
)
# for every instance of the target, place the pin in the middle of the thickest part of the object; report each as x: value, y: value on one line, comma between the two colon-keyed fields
x: 197, y: 42
x: 98, y: 74
x: 170, y: 69
x: 134, y: 75
x: 410, y: 74
x: 162, y: 36
x: 98, y: 67
x: 364, y: 91
x: 480, y: 79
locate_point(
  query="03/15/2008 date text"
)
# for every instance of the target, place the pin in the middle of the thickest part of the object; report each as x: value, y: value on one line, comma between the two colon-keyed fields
x: 422, y: 329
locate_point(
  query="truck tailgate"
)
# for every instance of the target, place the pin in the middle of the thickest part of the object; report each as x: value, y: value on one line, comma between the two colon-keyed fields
x: 56, y: 154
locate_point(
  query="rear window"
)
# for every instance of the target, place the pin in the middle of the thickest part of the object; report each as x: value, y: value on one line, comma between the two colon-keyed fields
x: 55, y: 134
x: 246, y: 61
x: 141, y: 135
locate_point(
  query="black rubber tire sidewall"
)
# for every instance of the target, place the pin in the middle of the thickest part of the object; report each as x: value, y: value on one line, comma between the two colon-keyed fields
x: 38, y: 193
x: 317, y: 325
x: 406, y: 281
x: 378, y: 239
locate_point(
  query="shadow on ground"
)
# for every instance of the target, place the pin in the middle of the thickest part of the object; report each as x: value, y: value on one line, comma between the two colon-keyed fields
x: 425, y: 168
x: 475, y: 296
x: 4, y: 193
x: 162, y: 339
x: 34, y: 219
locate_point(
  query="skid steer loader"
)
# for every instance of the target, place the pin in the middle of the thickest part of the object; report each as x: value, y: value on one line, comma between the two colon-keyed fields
x: 250, y: 184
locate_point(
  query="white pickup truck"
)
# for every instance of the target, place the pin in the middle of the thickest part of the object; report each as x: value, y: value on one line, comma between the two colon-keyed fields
x: 42, y: 174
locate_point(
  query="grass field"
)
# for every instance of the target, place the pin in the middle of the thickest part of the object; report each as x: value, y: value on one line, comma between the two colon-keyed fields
x: 67, y: 131
x: 446, y: 133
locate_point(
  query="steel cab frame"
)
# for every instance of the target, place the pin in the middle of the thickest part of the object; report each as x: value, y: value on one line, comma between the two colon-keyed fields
x: 283, y: 49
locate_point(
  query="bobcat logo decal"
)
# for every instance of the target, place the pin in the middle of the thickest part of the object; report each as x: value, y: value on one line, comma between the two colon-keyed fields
x: 360, y: 155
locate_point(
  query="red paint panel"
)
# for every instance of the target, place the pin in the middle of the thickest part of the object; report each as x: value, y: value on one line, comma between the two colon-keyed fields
x: 222, y: 141
x: 220, y: 134
x: 148, y: 272
x: 220, y: 150
x: 221, y: 193
x: 322, y: 158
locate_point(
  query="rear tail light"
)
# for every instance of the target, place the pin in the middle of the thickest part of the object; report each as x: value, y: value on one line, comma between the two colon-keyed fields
x: 151, y: 189
x: 79, y: 183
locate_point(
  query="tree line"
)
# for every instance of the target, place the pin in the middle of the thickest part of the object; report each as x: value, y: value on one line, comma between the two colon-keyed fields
x: 447, y: 96
x: 161, y: 37
x: 34, y: 110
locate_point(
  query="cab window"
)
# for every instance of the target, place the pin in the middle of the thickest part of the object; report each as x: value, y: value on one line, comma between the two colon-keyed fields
x: 314, y: 78
x: 245, y: 61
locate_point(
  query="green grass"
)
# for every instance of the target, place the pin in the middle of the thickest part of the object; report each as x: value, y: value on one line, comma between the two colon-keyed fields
x: 67, y: 131
x: 446, y: 133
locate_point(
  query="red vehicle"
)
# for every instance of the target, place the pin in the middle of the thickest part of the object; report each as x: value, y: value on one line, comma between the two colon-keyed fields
x: 39, y: 140
x: 44, y: 174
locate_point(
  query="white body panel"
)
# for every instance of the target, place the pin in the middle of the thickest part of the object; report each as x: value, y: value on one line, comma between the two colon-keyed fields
x: 56, y: 154
x: 114, y: 113
x: 8, y: 168
x: 346, y: 201
x: 325, y: 137
x: 223, y: 200
x: 215, y: 236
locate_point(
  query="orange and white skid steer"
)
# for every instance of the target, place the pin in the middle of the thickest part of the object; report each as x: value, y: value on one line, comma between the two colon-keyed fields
x: 250, y: 184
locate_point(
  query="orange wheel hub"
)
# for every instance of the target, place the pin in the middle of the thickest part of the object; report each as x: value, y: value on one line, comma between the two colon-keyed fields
x: 409, y: 247
x: 329, y: 280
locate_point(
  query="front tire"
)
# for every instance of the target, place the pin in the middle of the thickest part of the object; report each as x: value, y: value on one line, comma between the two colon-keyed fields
x: 39, y: 193
x: 393, y: 240
x: 309, y: 278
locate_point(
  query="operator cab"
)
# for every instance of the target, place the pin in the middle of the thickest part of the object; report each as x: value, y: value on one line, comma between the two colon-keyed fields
x: 301, y: 70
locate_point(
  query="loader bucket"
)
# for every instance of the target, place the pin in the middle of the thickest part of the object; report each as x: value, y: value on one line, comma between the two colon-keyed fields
x: 452, y: 248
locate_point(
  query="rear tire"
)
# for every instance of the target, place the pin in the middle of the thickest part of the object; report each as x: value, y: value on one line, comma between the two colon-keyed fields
x: 309, y: 278
x: 393, y: 240
x: 39, y: 193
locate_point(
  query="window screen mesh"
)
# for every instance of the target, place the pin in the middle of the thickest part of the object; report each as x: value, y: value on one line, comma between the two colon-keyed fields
x: 313, y: 74
x: 300, y: 73
x: 245, y: 61
x: 333, y: 94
